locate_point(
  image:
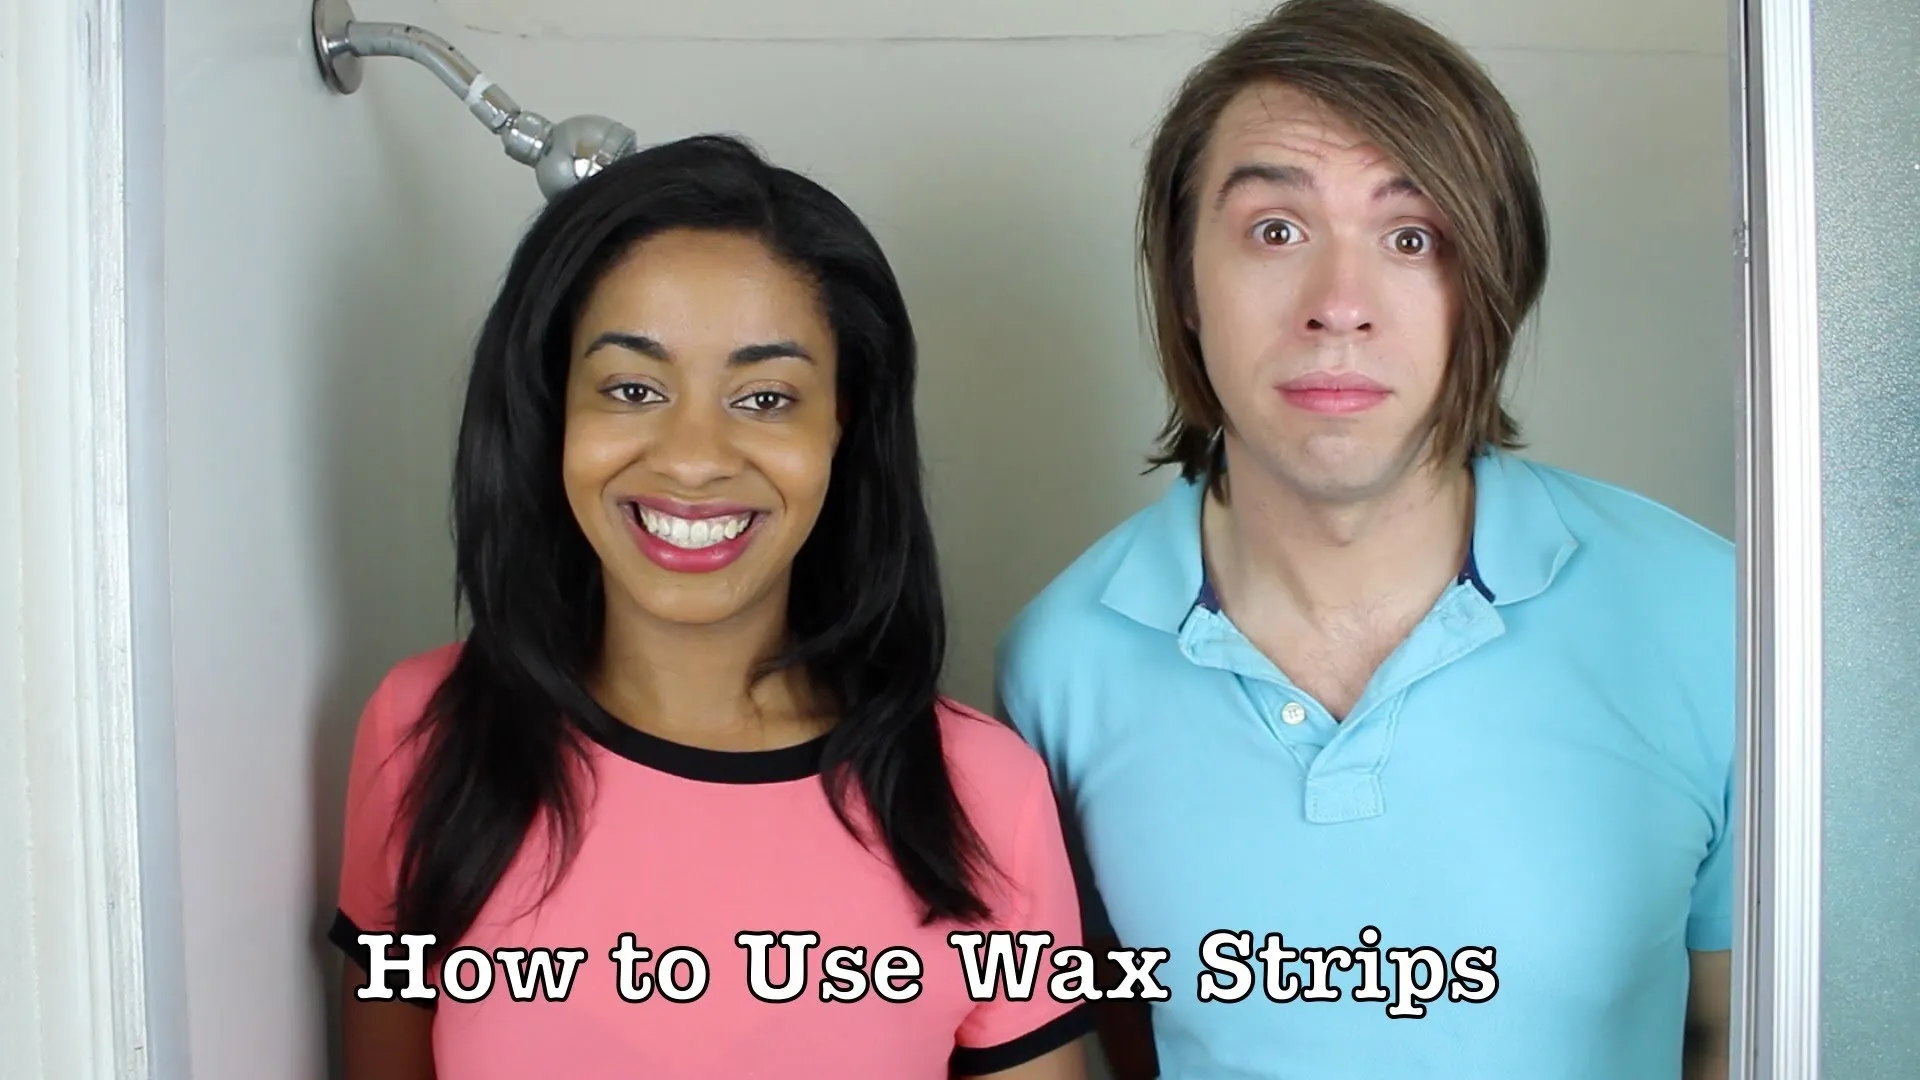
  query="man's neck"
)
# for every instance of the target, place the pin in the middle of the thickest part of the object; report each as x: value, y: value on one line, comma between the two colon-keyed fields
x: 1274, y: 549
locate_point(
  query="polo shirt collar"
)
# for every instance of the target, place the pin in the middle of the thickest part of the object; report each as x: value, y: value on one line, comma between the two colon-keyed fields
x: 1162, y: 575
x: 1520, y: 542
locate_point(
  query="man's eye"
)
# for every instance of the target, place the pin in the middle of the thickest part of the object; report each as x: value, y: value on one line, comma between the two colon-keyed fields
x: 1412, y: 241
x: 1277, y: 232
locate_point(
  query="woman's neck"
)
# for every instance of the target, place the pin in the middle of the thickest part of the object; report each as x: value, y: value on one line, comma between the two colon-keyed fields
x: 695, y: 684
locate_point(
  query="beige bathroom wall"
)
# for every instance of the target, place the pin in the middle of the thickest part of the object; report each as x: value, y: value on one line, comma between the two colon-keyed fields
x: 307, y: 401
x: 1626, y: 25
x: 995, y: 148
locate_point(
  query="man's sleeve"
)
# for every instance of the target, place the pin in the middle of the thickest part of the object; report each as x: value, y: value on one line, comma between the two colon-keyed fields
x: 1710, y: 919
x: 1710, y: 916
x: 1093, y: 910
x: 1016, y: 708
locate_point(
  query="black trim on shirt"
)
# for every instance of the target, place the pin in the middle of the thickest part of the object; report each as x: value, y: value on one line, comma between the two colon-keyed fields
x: 345, y: 936
x: 1043, y: 1040
x: 777, y: 766
x: 1209, y: 598
x: 1470, y: 575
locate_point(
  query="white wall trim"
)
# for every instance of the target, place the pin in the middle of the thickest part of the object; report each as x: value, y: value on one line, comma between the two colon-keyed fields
x: 1779, y: 924
x: 73, y: 984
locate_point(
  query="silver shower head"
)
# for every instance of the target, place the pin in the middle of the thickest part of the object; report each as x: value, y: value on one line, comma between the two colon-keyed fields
x: 561, y: 154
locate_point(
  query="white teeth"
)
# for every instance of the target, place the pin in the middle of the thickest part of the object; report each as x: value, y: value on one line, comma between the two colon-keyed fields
x: 701, y: 533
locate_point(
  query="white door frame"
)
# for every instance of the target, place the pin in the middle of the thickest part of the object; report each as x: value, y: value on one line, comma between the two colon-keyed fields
x: 72, y: 969
x: 82, y: 786
x: 1778, y: 880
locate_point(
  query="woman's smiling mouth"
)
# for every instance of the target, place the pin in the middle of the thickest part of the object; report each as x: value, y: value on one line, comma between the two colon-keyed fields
x: 691, y: 538
x: 692, y: 534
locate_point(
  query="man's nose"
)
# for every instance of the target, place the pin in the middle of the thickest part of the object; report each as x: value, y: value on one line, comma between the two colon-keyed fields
x: 1337, y: 300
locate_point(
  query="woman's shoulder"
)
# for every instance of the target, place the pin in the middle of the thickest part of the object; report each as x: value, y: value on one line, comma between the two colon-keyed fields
x: 385, y: 750
x: 988, y: 758
x: 425, y: 670
x: 401, y: 697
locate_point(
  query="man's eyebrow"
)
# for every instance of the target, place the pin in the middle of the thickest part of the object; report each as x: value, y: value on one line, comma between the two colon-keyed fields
x: 745, y: 354
x: 1299, y: 179
x: 1287, y: 176
x: 1399, y: 185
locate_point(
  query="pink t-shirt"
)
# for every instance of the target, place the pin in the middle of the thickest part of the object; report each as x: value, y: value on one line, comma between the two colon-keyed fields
x: 687, y: 848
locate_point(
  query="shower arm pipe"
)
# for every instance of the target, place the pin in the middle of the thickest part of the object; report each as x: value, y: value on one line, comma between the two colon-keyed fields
x: 483, y: 97
x: 561, y: 154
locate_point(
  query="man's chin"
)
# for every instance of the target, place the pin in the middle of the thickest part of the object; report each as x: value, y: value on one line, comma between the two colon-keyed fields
x: 1351, y: 475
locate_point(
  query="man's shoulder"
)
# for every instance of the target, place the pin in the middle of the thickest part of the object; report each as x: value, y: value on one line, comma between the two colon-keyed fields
x: 1620, y: 522
x: 1646, y: 579
x: 1062, y: 650
x: 1072, y: 605
x: 1653, y: 596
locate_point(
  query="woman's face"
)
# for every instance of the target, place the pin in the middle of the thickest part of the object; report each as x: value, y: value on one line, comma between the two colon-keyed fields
x: 701, y: 424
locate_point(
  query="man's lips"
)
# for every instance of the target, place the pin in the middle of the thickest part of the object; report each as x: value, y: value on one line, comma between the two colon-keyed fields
x: 1329, y: 381
x: 1333, y: 394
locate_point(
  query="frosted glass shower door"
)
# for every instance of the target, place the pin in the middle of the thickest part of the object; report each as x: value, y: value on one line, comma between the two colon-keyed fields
x: 1828, y: 952
x: 1866, y: 142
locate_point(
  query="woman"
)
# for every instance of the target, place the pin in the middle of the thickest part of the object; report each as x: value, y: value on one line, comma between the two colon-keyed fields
x: 698, y: 699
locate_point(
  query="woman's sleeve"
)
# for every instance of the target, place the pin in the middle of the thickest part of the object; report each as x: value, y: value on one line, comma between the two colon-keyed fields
x: 1005, y: 1031
x: 373, y: 837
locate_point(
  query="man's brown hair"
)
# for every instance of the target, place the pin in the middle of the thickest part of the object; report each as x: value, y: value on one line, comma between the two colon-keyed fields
x: 1422, y: 100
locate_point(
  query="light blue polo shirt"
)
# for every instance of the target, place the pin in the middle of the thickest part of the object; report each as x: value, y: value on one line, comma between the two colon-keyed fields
x: 1537, y: 782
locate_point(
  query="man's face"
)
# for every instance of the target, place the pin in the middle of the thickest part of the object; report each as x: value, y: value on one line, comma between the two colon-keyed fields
x: 1324, y: 301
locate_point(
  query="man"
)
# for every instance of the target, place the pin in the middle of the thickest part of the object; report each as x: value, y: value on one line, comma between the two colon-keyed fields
x: 1414, y: 755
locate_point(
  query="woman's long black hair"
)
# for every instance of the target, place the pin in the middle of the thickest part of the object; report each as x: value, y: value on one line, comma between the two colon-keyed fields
x: 865, y: 615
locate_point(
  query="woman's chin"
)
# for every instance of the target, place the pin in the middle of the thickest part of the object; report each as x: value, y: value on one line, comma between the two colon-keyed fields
x: 703, y: 600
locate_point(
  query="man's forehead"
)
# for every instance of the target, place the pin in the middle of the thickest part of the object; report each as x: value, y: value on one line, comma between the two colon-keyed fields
x: 1265, y: 106
x: 1276, y: 123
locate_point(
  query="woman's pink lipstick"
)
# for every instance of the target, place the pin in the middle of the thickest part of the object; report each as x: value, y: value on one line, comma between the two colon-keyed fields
x: 671, y: 556
x: 1333, y: 395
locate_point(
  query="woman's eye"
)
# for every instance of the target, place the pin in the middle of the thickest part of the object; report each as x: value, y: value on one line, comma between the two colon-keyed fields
x: 630, y: 393
x: 1412, y: 241
x: 1276, y: 232
x: 765, y: 401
